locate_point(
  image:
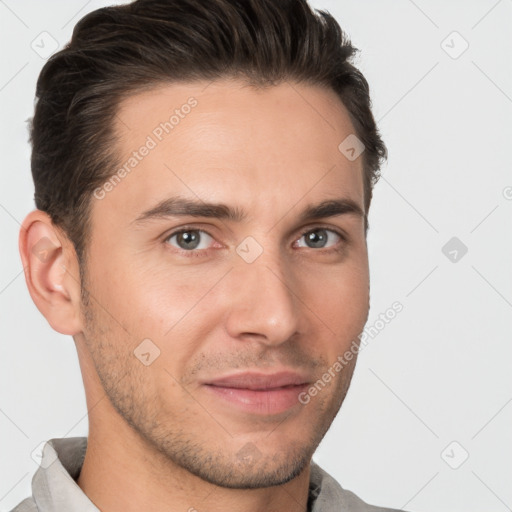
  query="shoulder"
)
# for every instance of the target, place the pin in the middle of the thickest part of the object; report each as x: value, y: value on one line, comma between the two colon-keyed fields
x: 327, y: 495
x: 27, y: 505
x: 356, y: 504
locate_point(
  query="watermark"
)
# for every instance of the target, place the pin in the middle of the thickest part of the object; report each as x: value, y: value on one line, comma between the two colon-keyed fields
x: 507, y: 193
x: 352, y: 147
x: 454, y: 45
x: 43, y: 249
x: 146, y: 352
x: 249, y: 249
x: 158, y: 134
x: 166, y: 127
x: 44, y: 45
x: 248, y: 455
x: 454, y: 249
x: 455, y: 455
x: 369, y: 332
x: 45, y: 458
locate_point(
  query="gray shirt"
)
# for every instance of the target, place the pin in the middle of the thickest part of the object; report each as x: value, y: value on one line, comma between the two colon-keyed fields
x: 54, y: 487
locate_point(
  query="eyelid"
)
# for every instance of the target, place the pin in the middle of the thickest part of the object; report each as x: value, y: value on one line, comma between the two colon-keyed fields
x: 336, y: 230
x: 334, y: 248
x: 184, y: 229
x: 203, y: 252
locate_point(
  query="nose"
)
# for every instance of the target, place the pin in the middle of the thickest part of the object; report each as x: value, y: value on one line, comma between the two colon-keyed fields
x: 264, y: 305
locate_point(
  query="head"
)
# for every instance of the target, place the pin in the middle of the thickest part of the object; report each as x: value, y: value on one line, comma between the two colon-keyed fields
x: 202, y: 218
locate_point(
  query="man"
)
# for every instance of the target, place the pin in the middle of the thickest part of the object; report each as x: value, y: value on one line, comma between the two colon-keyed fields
x: 203, y: 173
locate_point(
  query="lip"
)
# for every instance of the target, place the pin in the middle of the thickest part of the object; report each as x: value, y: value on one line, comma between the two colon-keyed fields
x: 260, y: 381
x: 259, y: 393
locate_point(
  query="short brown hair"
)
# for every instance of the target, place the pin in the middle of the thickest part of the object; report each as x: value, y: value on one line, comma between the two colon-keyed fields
x: 115, y: 51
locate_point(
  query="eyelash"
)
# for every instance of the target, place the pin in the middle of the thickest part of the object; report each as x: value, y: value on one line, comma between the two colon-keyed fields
x: 205, y: 252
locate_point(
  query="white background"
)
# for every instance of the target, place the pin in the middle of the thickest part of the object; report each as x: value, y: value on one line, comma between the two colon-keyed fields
x: 440, y: 371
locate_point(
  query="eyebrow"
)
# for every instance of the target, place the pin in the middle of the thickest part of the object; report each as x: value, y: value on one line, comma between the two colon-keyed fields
x: 178, y: 206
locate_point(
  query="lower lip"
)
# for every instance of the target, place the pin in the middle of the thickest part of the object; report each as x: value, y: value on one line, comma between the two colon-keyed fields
x: 269, y: 401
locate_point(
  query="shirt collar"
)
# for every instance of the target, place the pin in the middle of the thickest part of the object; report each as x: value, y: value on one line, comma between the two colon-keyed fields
x: 54, y: 486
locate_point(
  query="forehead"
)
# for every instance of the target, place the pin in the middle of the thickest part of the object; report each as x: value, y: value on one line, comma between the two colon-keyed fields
x: 225, y: 139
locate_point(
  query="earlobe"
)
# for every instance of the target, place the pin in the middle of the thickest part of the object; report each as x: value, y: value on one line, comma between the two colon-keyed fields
x: 51, y: 272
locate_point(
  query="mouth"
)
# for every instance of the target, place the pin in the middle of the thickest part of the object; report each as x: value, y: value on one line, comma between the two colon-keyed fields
x: 258, y: 393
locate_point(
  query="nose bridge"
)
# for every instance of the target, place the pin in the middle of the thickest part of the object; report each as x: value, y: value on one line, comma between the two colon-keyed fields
x: 263, y: 303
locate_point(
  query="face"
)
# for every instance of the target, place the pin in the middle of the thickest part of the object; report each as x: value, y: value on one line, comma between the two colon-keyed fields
x: 227, y: 271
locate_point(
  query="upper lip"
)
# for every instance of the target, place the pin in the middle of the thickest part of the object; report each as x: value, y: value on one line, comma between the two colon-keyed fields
x: 260, y: 381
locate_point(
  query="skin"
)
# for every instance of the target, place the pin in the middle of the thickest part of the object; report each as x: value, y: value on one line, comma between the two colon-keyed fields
x: 157, y: 439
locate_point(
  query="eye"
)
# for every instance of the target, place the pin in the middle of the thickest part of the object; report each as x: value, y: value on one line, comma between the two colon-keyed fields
x: 320, y: 238
x: 190, y: 239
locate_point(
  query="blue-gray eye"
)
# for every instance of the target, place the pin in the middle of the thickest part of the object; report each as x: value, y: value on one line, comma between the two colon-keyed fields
x: 190, y: 239
x: 320, y: 238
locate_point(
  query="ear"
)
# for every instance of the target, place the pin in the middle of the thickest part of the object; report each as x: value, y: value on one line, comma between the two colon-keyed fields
x: 51, y: 272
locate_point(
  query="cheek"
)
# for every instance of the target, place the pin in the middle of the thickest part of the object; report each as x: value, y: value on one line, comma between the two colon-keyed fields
x: 173, y: 307
x: 342, y: 301
x: 144, y: 299
x: 354, y: 290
